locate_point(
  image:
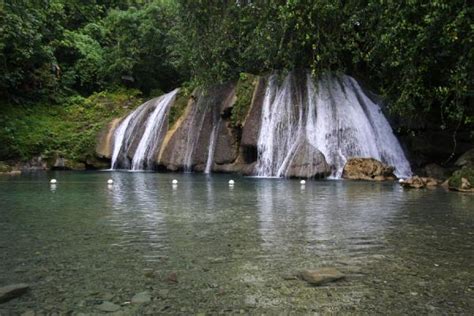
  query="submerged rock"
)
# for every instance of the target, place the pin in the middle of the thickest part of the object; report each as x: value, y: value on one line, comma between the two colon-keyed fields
x: 367, y: 169
x: 308, y: 162
x: 140, y: 298
x: 107, y: 306
x: 12, y: 291
x: 321, y: 276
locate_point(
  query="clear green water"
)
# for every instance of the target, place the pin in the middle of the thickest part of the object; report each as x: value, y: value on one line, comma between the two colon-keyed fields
x: 232, y: 249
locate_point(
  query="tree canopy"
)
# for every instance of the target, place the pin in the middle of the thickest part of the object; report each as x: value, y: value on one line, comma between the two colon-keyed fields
x: 416, y: 54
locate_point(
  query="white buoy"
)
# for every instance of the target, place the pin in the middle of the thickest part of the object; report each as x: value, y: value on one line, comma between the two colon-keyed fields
x: 401, y: 181
x: 53, y: 181
x: 231, y: 182
x: 110, y: 181
x: 174, y: 181
x: 302, y: 182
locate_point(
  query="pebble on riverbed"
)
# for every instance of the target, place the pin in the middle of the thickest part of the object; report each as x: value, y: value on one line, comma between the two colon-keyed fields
x: 140, y: 298
x: 321, y: 276
x: 108, y: 307
x: 12, y: 291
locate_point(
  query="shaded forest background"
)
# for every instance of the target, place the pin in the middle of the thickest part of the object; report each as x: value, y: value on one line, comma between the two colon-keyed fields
x: 63, y: 62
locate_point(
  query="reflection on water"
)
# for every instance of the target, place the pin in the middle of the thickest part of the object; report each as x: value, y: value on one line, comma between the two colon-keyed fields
x: 231, y: 246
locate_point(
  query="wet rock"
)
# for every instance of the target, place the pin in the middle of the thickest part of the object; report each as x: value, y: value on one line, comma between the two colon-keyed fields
x: 97, y: 163
x: 321, y: 276
x: 251, y: 126
x: 466, y: 159
x: 227, y: 146
x: 107, y: 306
x: 436, y: 171
x: 367, y: 169
x: 104, y: 144
x: 61, y: 163
x: 140, y: 298
x: 12, y: 291
x: 462, y: 180
x: 193, y: 131
x: 417, y: 182
x: 308, y: 162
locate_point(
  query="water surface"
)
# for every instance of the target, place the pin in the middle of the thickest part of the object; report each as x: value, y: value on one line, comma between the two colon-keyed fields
x: 204, y: 247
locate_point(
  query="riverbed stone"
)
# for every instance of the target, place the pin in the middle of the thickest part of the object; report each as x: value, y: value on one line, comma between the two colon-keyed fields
x: 12, y: 291
x: 107, y: 306
x: 140, y: 298
x: 367, y: 169
x: 321, y: 276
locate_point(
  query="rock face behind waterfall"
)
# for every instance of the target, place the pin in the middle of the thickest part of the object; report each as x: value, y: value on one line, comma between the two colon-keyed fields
x: 187, y: 145
x: 285, y: 127
x: 367, y: 169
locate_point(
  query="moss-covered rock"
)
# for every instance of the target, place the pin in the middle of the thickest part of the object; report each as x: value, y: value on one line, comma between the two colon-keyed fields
x: 4, y: 167
x: 179, y: 106
x: 367, y: 169
x: 243, y: 92
x: 462, y: 180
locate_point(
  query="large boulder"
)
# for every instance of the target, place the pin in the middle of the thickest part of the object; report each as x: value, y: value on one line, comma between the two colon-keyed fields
x: 462, y: 180
x: 367, y: 169
x: 61, y: 163
x: 433, y: 170
x: 307, y: 162
x: 466, y: 160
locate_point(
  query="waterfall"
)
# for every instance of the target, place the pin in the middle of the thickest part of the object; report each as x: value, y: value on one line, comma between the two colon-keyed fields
x: 146, y: 150
x: 212, y: 146
x: 130, y: 143
x: 281, y: 127
x: 197, y: 117
x: 335, y: 116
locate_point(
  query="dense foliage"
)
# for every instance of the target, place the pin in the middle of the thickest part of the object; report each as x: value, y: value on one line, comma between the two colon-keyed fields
x: 416, y: 54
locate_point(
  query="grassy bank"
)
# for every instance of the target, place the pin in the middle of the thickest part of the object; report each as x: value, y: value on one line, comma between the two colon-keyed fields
x: 68, y: 129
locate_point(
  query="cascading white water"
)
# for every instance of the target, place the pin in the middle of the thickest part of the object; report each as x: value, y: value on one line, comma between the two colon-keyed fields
x: 194, y: 131
x: 123, y: 134
x: 149, y: 142
x: 119, y: 136
x: 212, y: 146
x: 280, y: 129
x: 337, y: 118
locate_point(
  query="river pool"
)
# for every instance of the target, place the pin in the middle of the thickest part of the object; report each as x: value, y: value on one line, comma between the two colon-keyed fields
x: 202, y: 247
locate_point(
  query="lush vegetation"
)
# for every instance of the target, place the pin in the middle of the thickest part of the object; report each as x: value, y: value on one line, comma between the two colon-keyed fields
x: 416, y: 54
x: 68, y: 131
